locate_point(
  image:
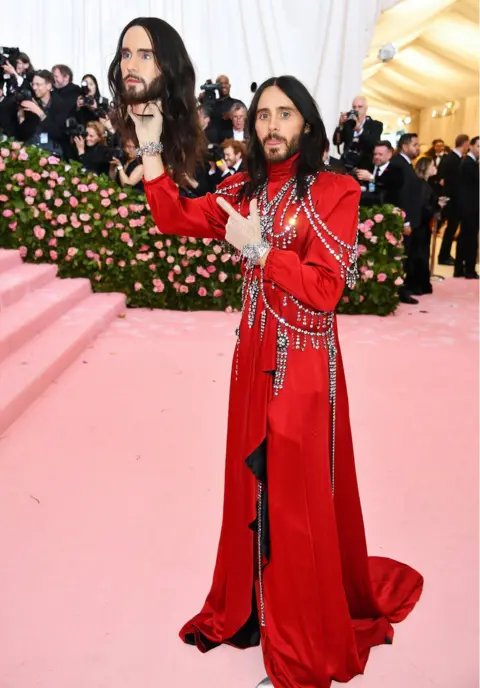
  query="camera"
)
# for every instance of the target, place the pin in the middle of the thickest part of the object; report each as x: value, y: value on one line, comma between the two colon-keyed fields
x: 118, y: 153
x: 352, y: 115
x: 73, y: 128
x: 85, y: 94
x: 208, y: 91
x: 23, y: 93
x: 214, y: 152
x: 8, y: 55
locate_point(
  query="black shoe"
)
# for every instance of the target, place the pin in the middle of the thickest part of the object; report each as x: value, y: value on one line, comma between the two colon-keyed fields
x: 447, y: 261
x: 408, y: 299
x: 471, y: 275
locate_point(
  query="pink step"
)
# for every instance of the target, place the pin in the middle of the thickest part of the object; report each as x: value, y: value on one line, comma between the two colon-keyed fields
x: 37, y: 310
x: 8, y: 260
x: 19, y: 281
x: 27, y: 372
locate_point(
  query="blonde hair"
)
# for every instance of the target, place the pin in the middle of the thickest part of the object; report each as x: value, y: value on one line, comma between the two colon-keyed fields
x: 99, y: 129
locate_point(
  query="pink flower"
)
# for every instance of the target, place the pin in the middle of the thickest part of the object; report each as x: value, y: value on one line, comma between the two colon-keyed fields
x: 29, y: 200
x: 62, y: 219
x: 42, y: 162
x: 211, y: 269
x: 52, y: 242
x: 154, y: 230
x: 228, y: 309
x: 381, y: 277
x: 403, y: 214
x: 183, y: 289
x: 39, y: 232
x: 109, y: 225
x: 361, y: 250
x: 122, y: 211
x: 158, y: 286
x: 222, y: 276
x: 158, y: 244
x: 4, y: 152
x: 72, y: 251
x: 368, y: 235
x: 138, y: 286
x: 217, y: 249
x: 362, y: 298
x: 109, y: 261
x: 104, y: 233
x: 23, y: 251
x: 87, y: 229
x: 2, y: 165
x: 378, y: 217
x: 3, y: 198
x: 7, y: 213
x: 104, y: 193
x: 13, y: 226
x: 83, y: 188
x: 373, y: 239
x: 168, y: 242
x: 73, y: 201
x: 398, y: 282
x: 121, y: 196
x: 368, y: 274
x: 217, y: 293
x: 23, y: 155
x: 57, y: 202
x: 16, y: 145
x: 207, y: 242
x: 93, y: 187
x: 177, y: 269
x: 121, y: 263
x: 190, y: 279
x: 36, y: 177
x: 225, y: 258
x: 52, y: 160
x: 161, y: 254
x: 53, y: 175
x: 38, y: 253
x: 170, y: 259
x: 182, y: 250
x: 170, y: 276
x: 125, y: 237
x: 211, y: 257
x: 53, y: 255
x: 105, y: 202
x: 84, y: 217
x: 346, y: 299
x: 202, y: 291
x: 368, y: 224
x: 96, y: 216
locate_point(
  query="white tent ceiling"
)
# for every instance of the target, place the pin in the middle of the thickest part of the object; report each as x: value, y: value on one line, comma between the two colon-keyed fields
x: 437, y: 60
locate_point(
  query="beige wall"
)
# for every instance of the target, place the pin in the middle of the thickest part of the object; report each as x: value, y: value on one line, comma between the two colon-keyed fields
x: 463, y: 121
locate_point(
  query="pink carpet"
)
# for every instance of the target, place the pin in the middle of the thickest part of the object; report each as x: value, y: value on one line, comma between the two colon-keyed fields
x: 111, y: 497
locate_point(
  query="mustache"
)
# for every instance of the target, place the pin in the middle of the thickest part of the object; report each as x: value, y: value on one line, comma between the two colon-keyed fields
x: 154, y: 91
x: 273, y: 137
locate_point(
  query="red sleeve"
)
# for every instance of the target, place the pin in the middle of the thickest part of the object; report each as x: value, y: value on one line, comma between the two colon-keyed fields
x: 173, y: 214
x: 316, y: 279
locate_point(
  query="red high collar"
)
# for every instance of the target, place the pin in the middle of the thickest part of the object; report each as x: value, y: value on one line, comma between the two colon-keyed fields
x: 281, y: 171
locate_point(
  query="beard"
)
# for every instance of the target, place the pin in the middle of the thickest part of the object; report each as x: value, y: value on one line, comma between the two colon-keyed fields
x: 276, y: 154
x: 131, y: 95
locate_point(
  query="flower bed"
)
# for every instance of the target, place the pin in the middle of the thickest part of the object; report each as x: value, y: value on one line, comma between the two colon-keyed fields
x: 58, y: 213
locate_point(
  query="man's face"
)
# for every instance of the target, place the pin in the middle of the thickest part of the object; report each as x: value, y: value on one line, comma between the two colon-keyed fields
x: 139, y: 69
x: 40, y: 87
x: 238, y: 119
x: 224, y: 85
x: 465, y: 148
x: 230, y: 157
x: 278, y: 124
x: 60, y: 79
x: 412, y: 149
x: 381, y: 155
x: 21, y: 67
x: 360, y: 105
x: 204, y: 119
x: 474, y: 149
x: 439, y: 147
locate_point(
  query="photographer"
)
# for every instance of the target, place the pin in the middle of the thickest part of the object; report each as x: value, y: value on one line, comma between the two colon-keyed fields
x: 68, y: 91
x: 90, y: 104
x: 92, y: 150
x: 358, y: 133
x: 19, y: 75
x: 221, y: 108
x: 128, y: 169
x: 228, y: 160
x: 41, y: 114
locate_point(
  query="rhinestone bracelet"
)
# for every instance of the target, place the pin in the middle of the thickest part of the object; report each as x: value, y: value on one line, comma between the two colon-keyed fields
x: 149, y: 149
x: 253, y: 252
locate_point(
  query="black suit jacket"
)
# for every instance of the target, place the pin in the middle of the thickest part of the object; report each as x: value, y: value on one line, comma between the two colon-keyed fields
x: 469, y: 181
x: 449, y: 171
x: 53, y: 125
x: 409, y: 193
x: 371, y: 134
x: 389, y: 183
x: 335, y: 164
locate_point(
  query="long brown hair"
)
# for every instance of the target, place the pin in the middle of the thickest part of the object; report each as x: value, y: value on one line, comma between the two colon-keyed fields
x: 183, y: 139
x: 422, y: 165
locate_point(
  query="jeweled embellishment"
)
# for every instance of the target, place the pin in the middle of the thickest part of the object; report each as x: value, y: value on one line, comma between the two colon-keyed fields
x: 282, y: 356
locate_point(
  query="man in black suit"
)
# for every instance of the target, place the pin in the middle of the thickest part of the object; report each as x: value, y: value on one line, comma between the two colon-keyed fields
x: 233, y: 161
x: 359, y: 134
x: 449, y: 180
x: 409, y: 199
x: 331, y: 163
x: 382, y: 181
x: 222, y: 106
x: 467, y: 245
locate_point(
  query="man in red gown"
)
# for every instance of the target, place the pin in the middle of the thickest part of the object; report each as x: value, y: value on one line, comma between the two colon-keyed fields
x: 292, y: 569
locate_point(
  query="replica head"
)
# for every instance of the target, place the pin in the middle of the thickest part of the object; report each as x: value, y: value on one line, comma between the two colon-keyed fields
x: 152, y: 64
x: 283, y: 120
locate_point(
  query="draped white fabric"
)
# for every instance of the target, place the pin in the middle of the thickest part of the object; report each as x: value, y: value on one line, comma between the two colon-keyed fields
x: 322, y: 42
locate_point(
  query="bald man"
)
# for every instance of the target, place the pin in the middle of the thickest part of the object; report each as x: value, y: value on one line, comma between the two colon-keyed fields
x: 358, y: 133
x: 221, y: 108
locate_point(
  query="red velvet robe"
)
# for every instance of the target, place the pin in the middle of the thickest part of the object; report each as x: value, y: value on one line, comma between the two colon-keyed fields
x: 326, y: 603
